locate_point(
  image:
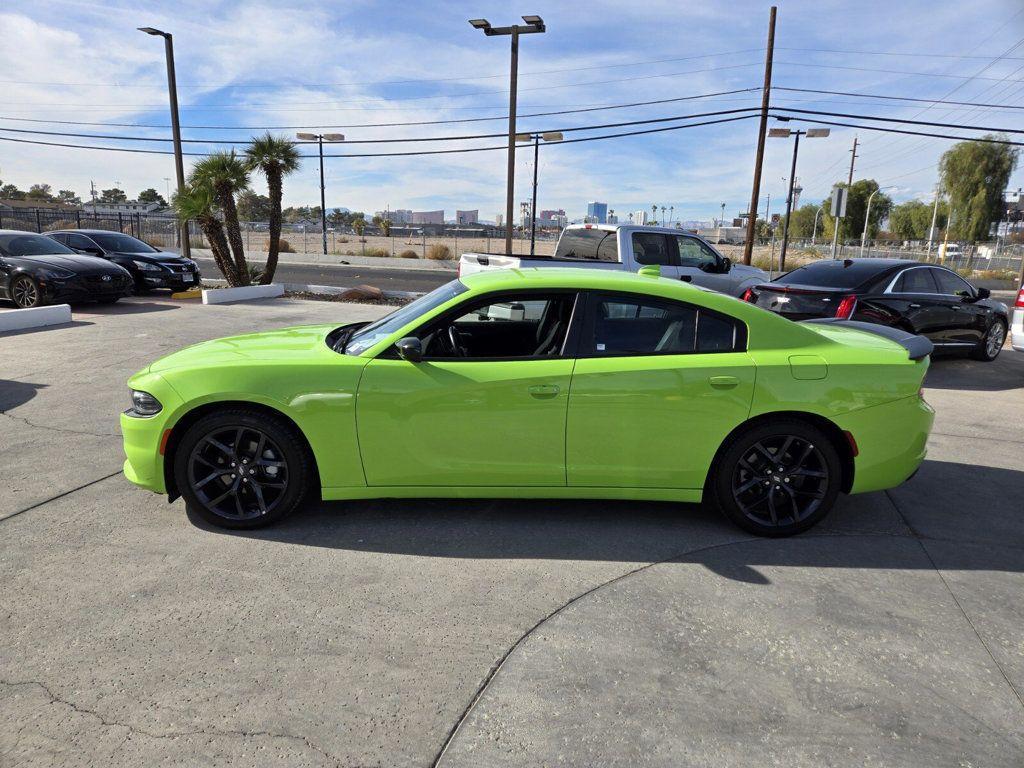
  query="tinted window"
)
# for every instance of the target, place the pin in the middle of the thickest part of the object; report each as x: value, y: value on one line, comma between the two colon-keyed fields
x: 79, y: 241
x: 589, y: 244
x: 115, y: 241
x: 626, y: 325
x: 369, y: 335
x: 31, y: 245
x: 693, y: 253
x: 829, y: 273
x: 915, y: 281
x: 950, y: 283
x: 652, y: 248
x: 60, y: 238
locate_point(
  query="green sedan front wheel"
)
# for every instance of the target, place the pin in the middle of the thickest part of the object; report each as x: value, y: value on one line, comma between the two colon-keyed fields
x: 778, y: 478
x: 241, y: 468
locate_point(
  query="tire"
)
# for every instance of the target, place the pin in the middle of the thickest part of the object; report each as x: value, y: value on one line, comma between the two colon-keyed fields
x: 756, y: 496
x: 24, y: 292
x: 991, y: 343
x: 219, y: 444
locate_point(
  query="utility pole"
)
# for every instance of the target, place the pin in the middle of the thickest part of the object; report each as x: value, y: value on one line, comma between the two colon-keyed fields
x: 748, y: 248
x: 849, y: 179
x: 935, y: 213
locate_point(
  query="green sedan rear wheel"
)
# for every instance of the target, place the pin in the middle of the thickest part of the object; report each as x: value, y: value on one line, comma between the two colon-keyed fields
x: 778, y: 478
x: 241, y: 468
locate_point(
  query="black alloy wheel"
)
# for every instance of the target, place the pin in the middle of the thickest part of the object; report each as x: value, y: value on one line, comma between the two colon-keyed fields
x: 778, y: 479
x: 25, y: 292
x: 242, y: 468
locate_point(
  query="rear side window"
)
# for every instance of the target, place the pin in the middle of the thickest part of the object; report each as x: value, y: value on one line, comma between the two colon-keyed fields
x: 918, y: 280
x: 829, y: 273
x: 588, y: 245
x: 633, y: 326
x: 652, y: 248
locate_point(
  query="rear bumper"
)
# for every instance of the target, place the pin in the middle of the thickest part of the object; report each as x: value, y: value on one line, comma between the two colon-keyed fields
x: 1017, y: 330
x: 892, y: 441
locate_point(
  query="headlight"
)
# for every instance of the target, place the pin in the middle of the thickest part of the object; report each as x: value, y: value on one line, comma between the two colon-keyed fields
x: 144, y: 404
x: 145, y: 266
x: 55, y: 273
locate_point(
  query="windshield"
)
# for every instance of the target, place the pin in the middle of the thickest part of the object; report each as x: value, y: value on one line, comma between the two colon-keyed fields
x: 31, y: 245
x: 368, y: 336
x: 115, y: 241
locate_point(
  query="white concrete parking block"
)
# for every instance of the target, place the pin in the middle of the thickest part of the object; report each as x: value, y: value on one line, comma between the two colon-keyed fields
x: 37, y: 317
x: 244, y: 293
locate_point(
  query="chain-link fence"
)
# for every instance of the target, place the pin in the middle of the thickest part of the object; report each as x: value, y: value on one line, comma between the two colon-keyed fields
x: 160, y: 231
x: 972, y: 257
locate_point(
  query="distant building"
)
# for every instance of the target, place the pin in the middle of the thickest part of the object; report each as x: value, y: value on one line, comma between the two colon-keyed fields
x: 30, y: 204
x: 467, y: 217
x: 640, y: 217
x: 549, y: 215
x: 597, y: 212
x: 126, y: 206
x: 612, y: 218
x: 559, y: 219
x: 499, y: 219
x: 428, y: 217
x: 398, y: 216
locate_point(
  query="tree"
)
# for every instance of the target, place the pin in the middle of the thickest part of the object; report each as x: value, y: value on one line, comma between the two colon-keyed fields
x: 359, y: 225
x: 198, y: 203
x: 113, y: 195
x: 226, y: 175
x: 275, y: 157
x: 151, y: 196
x: 39, y: 192
x: 975, y: 174
x: 253, y: 206
x: 856, y: 207
x: 68, y: 197
x: 912, y: 220
x: 802, y: 221
x: 11, y: 192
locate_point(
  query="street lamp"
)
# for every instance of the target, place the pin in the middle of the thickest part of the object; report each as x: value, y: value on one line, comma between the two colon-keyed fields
x: 867, y: 218
x: 320, y: 138
x: 533, y: 25
x: 785, y: 133
x: 523, y: 138
x: 814, y: 232
x: 172, y: 90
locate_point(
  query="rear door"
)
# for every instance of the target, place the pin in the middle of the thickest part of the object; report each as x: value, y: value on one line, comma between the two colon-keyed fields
x: 656, y: 249
x: 658, y: 384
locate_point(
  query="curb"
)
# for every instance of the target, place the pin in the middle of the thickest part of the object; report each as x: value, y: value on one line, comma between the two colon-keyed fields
x: 243, y: 293
x: 37, y: 317
x: 370, y: 262
x: 328, y: 290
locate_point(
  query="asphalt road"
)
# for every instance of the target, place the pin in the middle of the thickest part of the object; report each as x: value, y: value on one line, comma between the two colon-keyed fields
x: 385, y: 278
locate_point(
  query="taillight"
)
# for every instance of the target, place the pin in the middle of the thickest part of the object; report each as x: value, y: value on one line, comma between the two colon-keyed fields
x: 1020, y: 300
x: 845, y: 309
x: 748, y: 295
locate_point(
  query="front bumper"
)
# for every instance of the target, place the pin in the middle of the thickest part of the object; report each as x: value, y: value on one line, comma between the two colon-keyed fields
x: 86, y: 288
x: 177, y: 280
x: 892, y: 441
x: 144, y: 436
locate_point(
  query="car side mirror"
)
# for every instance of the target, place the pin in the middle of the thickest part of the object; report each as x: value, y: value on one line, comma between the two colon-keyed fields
x: 983, y: 293
x: 726, y: 264
x: 410, y: 348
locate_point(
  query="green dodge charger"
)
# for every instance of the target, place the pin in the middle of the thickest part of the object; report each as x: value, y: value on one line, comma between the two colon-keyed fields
x: 538, y: 383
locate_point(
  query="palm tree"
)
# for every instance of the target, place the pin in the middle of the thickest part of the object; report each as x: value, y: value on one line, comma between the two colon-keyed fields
x: 197, y: 203
x: 275, y: 157
x: 226, y: 174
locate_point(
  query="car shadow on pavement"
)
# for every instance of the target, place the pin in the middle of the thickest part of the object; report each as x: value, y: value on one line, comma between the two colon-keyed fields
x: 123, y: 308
x: 15, y: 393
x: 960, y: 373
x: 972, y: 508
x: 43, y: 328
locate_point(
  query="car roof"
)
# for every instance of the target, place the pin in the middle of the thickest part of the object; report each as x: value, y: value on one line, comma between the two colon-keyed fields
x: 87, y: 232
x: 17, y: 232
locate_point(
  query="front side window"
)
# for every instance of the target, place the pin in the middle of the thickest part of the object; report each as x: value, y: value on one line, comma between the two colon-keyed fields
x: 652, y: 248
x: 951, y: 284
x: 626, y: 325
x: 379, y: 330
x: 530, y: 325
x: 694, y: 253
x: 80, y: 242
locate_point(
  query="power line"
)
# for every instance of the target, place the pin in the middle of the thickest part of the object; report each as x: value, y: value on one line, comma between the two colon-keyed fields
x: 902, y: 131
x: 596, y: 108
x: 899, y: 98
x: 894, y: 53
x: 887, y: 71
x: 903, y: 120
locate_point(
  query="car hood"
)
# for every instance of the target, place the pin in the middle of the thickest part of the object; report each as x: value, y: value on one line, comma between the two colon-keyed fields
x: 80, y: 265
x: 301, y: 344
x: 746, y: 271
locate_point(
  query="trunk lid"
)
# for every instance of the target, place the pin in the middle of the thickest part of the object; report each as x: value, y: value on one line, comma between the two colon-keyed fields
x: 799, y: 302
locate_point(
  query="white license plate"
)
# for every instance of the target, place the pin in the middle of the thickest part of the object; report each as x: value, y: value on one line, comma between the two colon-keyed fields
x: 186, y: 278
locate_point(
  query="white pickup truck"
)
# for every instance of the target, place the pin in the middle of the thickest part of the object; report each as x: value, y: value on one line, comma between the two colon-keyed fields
x: 629, y: 247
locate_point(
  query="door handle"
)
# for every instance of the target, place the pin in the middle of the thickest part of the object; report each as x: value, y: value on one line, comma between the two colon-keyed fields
x: 955, y: 308
x: 686, y: 278
x: 544, y: 390
x: 915, y: 306
x: 723, y: 382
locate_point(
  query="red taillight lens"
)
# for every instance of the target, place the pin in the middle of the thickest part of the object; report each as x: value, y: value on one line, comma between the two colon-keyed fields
x: 845, y: 309
x: 1020, y: 299
x: 748, y: 295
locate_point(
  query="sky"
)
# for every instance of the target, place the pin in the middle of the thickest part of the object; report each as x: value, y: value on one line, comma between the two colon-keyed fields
x: 242, y: 66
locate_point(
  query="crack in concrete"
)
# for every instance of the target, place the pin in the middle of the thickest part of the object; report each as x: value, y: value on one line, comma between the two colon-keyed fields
x: 29, y: 423
x: 58, y: 496
x: 133, y: 730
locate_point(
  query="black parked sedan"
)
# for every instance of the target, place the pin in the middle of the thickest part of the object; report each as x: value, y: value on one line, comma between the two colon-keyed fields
x: 35, y: 270
x: 149, y: 267
x: 924, y: 299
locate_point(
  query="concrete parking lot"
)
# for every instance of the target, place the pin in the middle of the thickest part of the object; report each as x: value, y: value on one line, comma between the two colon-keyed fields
x: 486, y: 633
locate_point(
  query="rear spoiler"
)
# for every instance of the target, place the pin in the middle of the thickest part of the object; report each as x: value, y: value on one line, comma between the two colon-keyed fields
x: 918, y: 347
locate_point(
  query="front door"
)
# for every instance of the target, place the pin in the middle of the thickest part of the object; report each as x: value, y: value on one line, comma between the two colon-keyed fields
x: 701, y: 264
x: 657, y: 387
x: 485, y: 407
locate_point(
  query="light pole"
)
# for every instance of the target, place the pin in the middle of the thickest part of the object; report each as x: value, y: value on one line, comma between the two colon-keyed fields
x: 785, y: 133
x: 533, y: 25
x: 320, y: 138
x: 867, y: 219
x: 721, y: 218
x: 172, y: 90
x: 814, y: 232
x: 522, y: 138
x: 935, y: 213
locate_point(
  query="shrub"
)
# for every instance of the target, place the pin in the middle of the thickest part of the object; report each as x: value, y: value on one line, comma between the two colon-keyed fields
x: 255, y: 273
x: 439, y: 252
x: 377, y: 252
x: 408, y: 254
x: 284, y: 246
x: 342, y: 239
